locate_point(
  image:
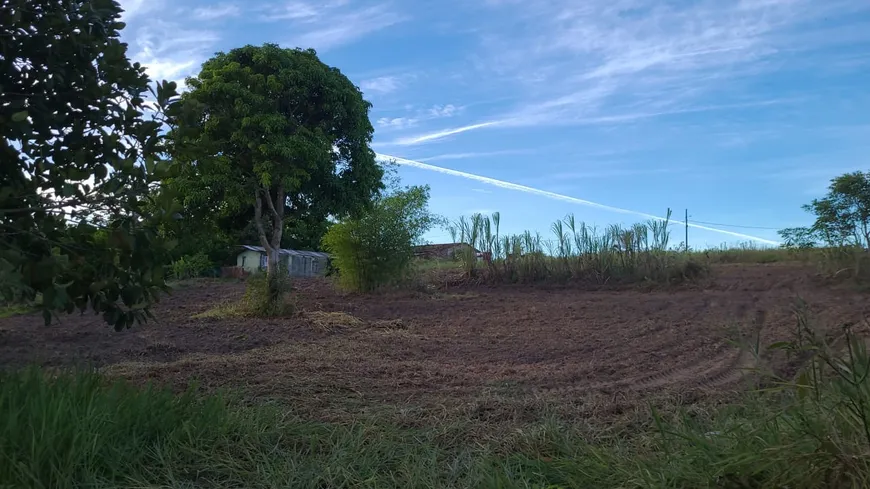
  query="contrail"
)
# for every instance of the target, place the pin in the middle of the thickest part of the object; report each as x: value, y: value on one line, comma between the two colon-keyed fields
x: 555, y: 196
x: 442, y: 134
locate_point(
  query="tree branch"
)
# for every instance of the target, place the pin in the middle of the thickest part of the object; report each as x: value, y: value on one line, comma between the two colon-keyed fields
x: 269, y: 201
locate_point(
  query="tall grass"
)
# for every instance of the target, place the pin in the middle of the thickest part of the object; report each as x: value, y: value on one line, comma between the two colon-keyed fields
x: 577, y: 252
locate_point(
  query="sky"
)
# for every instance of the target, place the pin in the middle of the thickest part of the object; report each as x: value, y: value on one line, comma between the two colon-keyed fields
x: 737, y: 111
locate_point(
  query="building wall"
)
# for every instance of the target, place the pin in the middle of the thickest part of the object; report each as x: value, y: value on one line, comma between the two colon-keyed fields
x: 306, y: 266
x: 296, y: 266
x: 248, y: 260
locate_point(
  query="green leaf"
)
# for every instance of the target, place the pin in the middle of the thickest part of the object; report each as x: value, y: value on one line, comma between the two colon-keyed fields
x: 780, y: 345
x: 20, y: 116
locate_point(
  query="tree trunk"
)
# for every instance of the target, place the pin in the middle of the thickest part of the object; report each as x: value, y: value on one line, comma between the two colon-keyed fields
x: 273, y: 274
x: 272, y: 244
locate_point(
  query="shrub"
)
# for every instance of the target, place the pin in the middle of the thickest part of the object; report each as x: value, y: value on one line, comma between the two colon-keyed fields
x: 257, y: 300
x: 376, y: 249
x: 191, y: 266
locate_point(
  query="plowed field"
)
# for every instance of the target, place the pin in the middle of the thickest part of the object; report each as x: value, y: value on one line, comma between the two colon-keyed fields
x: 442, y: 350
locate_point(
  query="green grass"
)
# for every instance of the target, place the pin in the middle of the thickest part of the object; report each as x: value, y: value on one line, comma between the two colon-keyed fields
x: 16, y: 310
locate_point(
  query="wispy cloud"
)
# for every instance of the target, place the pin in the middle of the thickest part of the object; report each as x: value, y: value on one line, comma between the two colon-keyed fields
x: 171, y: 52
x: 396, y: 122
x: 219, y: 11
x: 381, y: 84
x: 538, y: 115
x: 448, y: 110
x: 330, y: 24
x: 136, y: 8
x: 607, y: 173
x: 404, y: 122
x: 624, y: 61
x: 555, y: 196
x: 290, y: 10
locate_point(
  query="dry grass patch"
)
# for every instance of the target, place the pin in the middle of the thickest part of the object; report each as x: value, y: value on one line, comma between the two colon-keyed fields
x: 335, y: 321
x: 222, y: 311
x: 332, y: 321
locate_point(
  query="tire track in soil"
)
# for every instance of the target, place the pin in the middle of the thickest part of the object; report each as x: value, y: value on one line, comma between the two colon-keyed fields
x: 702, y: 371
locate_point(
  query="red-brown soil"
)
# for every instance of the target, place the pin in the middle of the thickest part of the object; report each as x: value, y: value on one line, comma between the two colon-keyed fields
x: 444, y: 347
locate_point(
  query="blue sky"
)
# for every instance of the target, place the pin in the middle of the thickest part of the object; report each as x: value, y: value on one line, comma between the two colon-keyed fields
x: 738, y: 110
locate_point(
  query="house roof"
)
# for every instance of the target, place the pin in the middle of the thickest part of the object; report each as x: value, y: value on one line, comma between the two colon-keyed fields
x: 282, y: 251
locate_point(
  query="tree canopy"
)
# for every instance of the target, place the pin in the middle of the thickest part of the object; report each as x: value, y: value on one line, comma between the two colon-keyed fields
x: 842, y: 216
x: 78, y: 155
x: 277, y: 137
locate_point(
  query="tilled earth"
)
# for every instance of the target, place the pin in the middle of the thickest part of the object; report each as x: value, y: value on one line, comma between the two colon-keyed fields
x: 438, y: 350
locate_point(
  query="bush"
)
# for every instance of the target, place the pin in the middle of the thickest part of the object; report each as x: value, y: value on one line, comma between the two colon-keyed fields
x: 191, y: 266
x: 376, y: 248
x: 257, y: 300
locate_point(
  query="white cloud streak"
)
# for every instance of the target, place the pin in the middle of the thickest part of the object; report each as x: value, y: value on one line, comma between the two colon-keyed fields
x: 554, y: 196
x: 538, y: 116
x: 433, y: 136
x: 219, y: 11
x: 325, y: 26
x: 472, y: 155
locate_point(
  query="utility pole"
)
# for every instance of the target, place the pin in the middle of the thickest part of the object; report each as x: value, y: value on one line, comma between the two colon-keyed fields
x: 687, y: 230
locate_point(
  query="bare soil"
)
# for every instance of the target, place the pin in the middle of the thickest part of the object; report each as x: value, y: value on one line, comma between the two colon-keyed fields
x: 477, y: 348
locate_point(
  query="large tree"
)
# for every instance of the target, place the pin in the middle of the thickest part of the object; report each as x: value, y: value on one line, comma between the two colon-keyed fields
x: 842, y: 216
x: 278, y: 132
x: 77, y: 156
